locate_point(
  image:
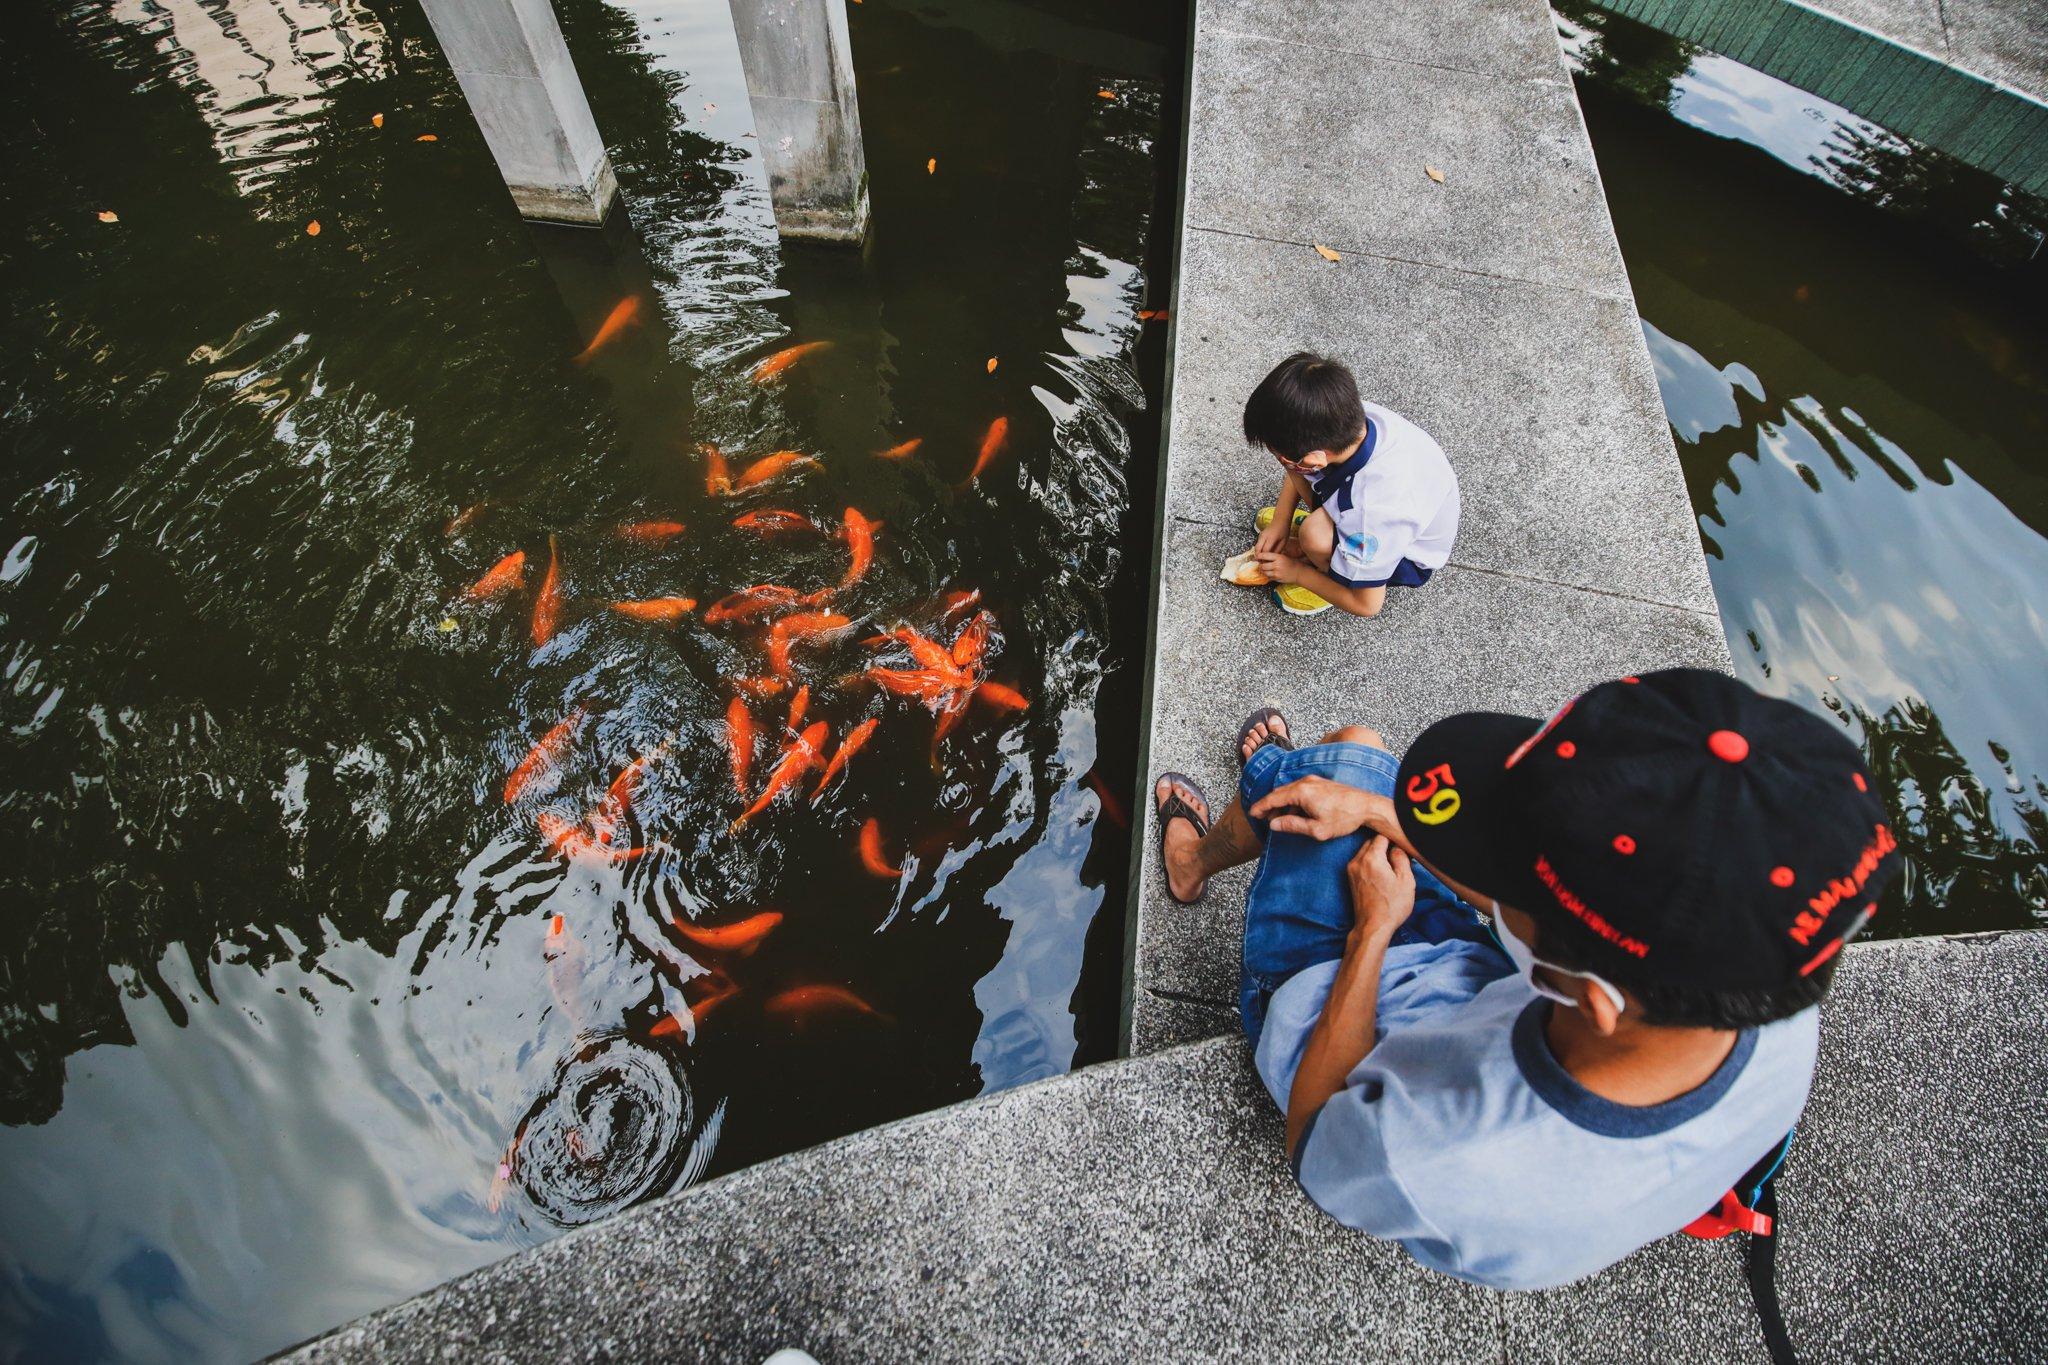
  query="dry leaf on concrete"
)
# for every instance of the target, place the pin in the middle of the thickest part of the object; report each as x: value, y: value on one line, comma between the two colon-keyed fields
x: 1434, y: 174
x: 1326, y: 253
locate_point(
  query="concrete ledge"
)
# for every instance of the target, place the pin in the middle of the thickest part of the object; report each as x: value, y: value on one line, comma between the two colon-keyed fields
x: 1140, y: 1209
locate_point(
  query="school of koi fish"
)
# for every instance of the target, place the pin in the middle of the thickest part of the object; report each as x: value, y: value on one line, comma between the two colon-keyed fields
x: 934, y: 659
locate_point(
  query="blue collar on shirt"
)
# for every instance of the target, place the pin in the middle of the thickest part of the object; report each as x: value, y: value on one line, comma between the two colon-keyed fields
x: 1335, y: 480
x: 1548, y: 1078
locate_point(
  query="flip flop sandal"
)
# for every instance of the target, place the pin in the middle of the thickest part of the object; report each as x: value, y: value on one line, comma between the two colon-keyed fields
x: 1269, y: 716
x: 1173, y: 808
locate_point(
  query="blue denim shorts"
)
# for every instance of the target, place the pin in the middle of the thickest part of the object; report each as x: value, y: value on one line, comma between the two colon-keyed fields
x: 1298, y: 912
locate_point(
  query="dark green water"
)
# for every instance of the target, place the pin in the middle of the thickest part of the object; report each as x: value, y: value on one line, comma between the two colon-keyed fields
x: 1851, y: 337
x: 277, y: 987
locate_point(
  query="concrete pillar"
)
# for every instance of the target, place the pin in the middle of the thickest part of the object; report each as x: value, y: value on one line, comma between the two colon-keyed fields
x: 799, y: 69
x: 515, y: 71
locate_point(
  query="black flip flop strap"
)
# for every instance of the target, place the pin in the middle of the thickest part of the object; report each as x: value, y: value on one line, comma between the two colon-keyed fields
x: 1173, y: 808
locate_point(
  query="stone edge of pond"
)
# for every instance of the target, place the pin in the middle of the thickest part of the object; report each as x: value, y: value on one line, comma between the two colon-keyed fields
x: 1141, y: 1207
x: 1492, y: 306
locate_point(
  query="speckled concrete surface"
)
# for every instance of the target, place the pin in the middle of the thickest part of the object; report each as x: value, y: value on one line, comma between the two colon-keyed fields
x: 1141, y: 1210
x: 1492, y: 307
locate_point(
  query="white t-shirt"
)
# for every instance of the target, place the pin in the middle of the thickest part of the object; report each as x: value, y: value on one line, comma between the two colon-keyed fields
x: 1394, y: 503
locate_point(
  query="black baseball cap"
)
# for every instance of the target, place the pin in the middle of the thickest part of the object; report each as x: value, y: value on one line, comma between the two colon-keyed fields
x: 1675, y: 828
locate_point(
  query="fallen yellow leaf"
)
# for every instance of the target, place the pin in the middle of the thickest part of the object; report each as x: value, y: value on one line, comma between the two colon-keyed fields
x: 1326, y: 253
x: 1105, y: 94
x: 448, y: 623
x: 313, y: 228
x: 1434, y: 174
x: 931, y: 167
x: 426, y: 137
x: 376, y: 120
x: 109, y: 216
x: 991, y: 364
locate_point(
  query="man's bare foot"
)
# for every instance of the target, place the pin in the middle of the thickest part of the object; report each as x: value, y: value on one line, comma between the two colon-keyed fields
x: 1260, y: 734
x: 1179, y: 840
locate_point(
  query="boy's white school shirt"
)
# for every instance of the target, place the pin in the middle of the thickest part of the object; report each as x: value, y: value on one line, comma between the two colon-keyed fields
x: 1395, y: 499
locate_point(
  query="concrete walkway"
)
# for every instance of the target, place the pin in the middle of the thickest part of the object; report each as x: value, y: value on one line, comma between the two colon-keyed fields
x: 1141, y: 1211
x: 1493, y: 309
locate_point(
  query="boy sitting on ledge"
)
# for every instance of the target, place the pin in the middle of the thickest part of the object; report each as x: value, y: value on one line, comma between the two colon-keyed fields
x: 1380, y: 499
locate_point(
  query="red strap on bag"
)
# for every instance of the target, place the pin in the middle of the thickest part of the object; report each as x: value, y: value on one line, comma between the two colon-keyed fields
x: 1731, y: 1216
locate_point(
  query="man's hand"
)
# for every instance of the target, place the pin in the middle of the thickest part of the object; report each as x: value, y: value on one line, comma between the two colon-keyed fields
x: 1320, y: 808
x: 1382, y: 890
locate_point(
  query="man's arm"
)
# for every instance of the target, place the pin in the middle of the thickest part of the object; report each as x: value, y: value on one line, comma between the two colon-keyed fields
x: 1382, y: 897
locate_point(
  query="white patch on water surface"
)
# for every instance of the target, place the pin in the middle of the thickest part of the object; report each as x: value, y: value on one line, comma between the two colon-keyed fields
x: 19, y: 559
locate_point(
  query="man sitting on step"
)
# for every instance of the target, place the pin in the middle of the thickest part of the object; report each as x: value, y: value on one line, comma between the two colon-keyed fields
x: 1668, y: 868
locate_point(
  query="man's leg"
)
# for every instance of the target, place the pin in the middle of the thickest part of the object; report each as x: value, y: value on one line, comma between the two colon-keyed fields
x: 1191, y: 861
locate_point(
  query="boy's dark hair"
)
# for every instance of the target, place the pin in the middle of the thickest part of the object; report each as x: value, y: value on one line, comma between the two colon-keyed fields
x: 1308, y: 402
x: 1672, y: 1006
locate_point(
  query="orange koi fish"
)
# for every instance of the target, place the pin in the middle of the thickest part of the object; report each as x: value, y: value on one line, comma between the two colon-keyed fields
x: 901, y: 452
x: 775, y: 364
x: 666, y: 610
x: 1153, y: 314
x: 774, y: 521
x: 992, y: 445
x: 848, y: 747
x: 972, y: 641
x: 772, y: 466
x: 547, y: 607
x: 1001, y: 697
x: 805, y: 625
x: 563, y: 836
x: 1112, y: 809
x: 923, y: 684
x: 931, y: 656
x: 503, y: 576
x: 759, y: 688
x: 797, y: 706
x: 871, y: 850
x: 739, y: 737
x: 801, y: 754
x: 649, y: 532
x: 741, y: 938
x: 669, y: 1024
x: 860, y: 539
x: 717, y: 474
x: 564, y: 956
x: 624, y: 314
x: 466, y: 518
x: 755, y: 601
x: 618, y: 797
x: 544, y: 756
x: 951, y: 711
x: 805, y: 1000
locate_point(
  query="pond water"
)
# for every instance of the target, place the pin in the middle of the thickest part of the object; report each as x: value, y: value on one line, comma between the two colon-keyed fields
x: 1851, y: 336
x: 315, y: 991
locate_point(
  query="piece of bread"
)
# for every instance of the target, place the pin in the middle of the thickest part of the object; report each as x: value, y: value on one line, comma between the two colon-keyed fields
x: 1243, y: 570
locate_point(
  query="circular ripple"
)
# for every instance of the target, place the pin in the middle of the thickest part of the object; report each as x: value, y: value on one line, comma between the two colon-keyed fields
x: 608, y: 1130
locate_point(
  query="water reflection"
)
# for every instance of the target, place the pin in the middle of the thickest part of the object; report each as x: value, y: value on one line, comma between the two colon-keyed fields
x: 303, y: 1014
x: 1859, y: 386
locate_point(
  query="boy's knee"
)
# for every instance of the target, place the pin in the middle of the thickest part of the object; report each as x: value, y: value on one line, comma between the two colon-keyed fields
x: 1356, y: 734
x: 1317, y: 534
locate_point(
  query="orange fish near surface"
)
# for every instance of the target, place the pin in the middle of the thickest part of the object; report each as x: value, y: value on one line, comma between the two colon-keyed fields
x: 650, y: 532
x: 759, y: 687
x: 901, y: 452
x: 503, y: 576
x: 805, y: 625
x: 848, y: 747
x: 742, y: 937
x: 953, y: 603
x: 758, y: 600
x: 466, y: 518
x: 992, y: 444
x: 871, y: 850
x: 772, y: 467
x: 739, y: 737
x: 544, y: 757
x: 776, y: 364
x: 717, y: 474
x: 860, y: 539
x: 800, y: 1001
x: 1112, y: 809
x: 800, y: 755
x: 618, y: 797
x: 773, y: 521
x: 1001, y: 697
x: 972, y: 640
x: 923, y: 684
x: 797, y: 706
x: 665, y: 610
x: 547, y: 607
x: 624, y: 314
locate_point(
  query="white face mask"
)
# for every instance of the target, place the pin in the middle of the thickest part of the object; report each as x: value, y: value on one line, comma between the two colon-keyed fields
x: 1525, y: 962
